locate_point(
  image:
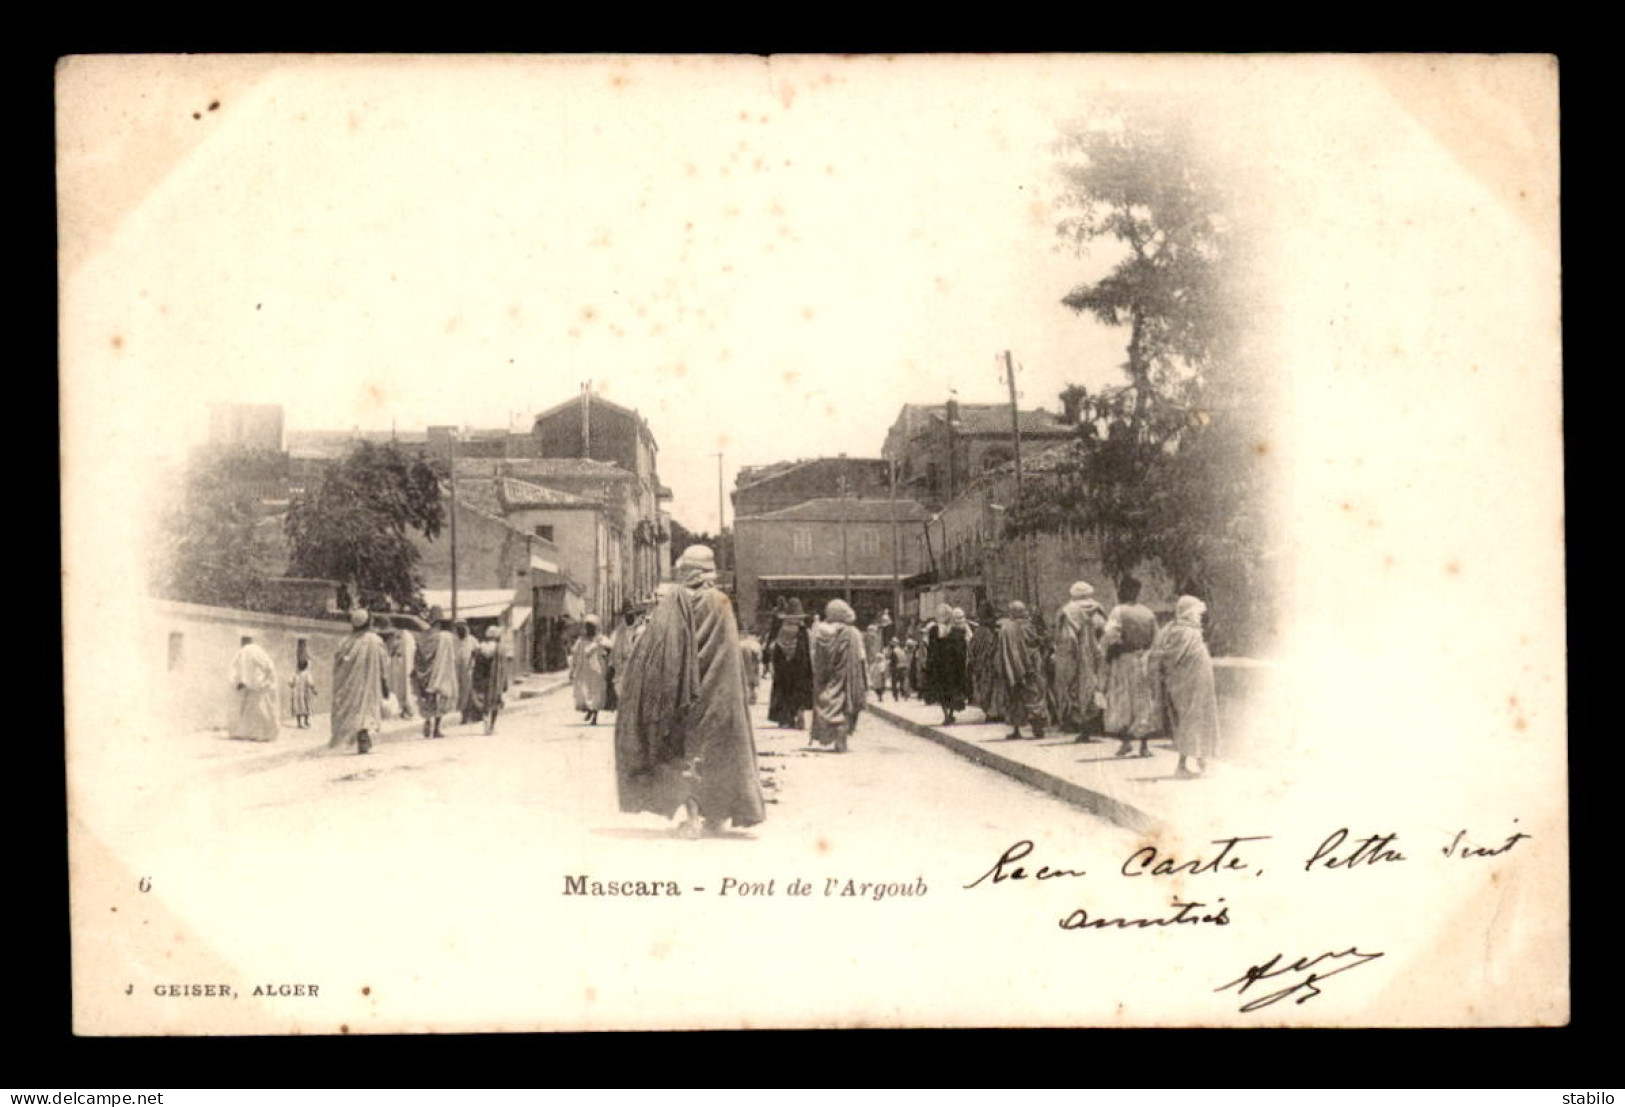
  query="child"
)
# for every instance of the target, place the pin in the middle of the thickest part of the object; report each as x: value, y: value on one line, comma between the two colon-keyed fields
x: 304, y: 687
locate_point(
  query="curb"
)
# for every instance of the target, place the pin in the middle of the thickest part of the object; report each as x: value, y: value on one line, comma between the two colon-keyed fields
x: 1097, y: 803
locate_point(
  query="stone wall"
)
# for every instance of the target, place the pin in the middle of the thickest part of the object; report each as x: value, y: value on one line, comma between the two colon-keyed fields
x: 190, y: 648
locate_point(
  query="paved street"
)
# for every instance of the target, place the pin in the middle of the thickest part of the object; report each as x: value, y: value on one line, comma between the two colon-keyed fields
x: 446, y: 855
x: 546, y: 775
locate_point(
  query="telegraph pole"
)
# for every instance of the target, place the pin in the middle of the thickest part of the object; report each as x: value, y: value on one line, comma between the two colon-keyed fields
x: 720, y: 553
x: 1015, y: 417
x: 454, y: 524
x: 1015, y: 431
x: 846, y: 571
x: 896, y: 557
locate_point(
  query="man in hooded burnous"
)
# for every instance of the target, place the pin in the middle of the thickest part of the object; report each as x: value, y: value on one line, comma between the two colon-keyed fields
x: 467, y: 644
x: 254, y: 692
x: 488, y: 678
x: 1182, y: 672
x: 1021, y: 667
x: 360, y: 682
x: 683, y: 739
x: 750, y: 665
x: 839, y: 676
x: 1078, y: 626
x: 1131, y: 705
x: 620, y: 649
x: 986, y: 679
x: 437, y: 674
x: 589, y: 669
x: 402, y: 647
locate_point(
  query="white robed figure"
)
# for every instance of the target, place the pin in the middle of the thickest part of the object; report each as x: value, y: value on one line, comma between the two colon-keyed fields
x: 360, y: 682
x: 253, y: 681
x: 1078, y: 627
x: 1182, y: 673
x: 1132, y: 710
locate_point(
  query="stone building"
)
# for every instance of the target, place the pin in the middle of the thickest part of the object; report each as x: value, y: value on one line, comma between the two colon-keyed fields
x: 613, y: 537
x: 939, y: 449
x: 965, y: 558
x: 600, y: 434
x: 608, y: 547
x: 759, y: 489
x: 510, y: 569
x: 823, y: 549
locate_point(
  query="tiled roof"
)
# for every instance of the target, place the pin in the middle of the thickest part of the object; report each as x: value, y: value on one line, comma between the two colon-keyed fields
x: 752, y: 475
x: 995, y: 419
x: 520, y: 493
x: 598, y: 401
x: 756, y: 474
x: 832, y: 509
x: 494, y: 496
x: 539, y: 469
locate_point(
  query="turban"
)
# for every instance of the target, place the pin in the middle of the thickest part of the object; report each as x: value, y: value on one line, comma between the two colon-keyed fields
x: 837, y: 611
x: 1082, y: 590
x: 959, y: 617
x: 358, y: 617
x: 697, y: 564
x: 1018, y: 610
x: 1189, y: 609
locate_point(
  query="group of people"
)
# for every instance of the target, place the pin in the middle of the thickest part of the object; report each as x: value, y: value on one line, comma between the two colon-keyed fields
x: 597, y: 662
x: 681, y: 679
x: 382, y: 670
x: 824, y: 668
x: 1090, y: 672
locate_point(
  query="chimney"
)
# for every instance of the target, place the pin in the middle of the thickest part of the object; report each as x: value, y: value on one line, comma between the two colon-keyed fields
x: 1072, y: 405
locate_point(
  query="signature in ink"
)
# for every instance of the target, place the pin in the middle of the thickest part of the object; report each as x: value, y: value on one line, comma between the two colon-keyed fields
x: 1273, y: 970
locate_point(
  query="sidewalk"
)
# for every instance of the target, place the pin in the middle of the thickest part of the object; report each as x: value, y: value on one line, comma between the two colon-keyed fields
x: 1133, y: 792
x: 294, y: 743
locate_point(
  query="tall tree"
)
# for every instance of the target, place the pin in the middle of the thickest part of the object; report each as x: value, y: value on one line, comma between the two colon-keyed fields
x: 1166, y: 467
x: 353, y: 527
x: 682, y: 538
x: 209, y: 548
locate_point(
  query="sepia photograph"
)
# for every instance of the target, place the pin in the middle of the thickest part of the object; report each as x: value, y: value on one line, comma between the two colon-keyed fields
x: 666, y: 542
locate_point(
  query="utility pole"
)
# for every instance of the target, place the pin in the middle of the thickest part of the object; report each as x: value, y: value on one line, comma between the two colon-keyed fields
x: 896, y: 556
x: 721, y: 553
x: 454, y: 523
x: 1015, y: 431
x: 846, y: 571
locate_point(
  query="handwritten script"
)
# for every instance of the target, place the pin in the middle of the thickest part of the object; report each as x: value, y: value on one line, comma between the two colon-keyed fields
x: 1273, y: 970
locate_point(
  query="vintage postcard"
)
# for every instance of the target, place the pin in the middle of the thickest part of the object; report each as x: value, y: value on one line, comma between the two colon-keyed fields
x: 662, y: 542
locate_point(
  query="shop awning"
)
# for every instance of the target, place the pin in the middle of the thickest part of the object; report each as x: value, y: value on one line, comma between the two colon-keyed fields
x: 472, y: 603
x: 868, y: 579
